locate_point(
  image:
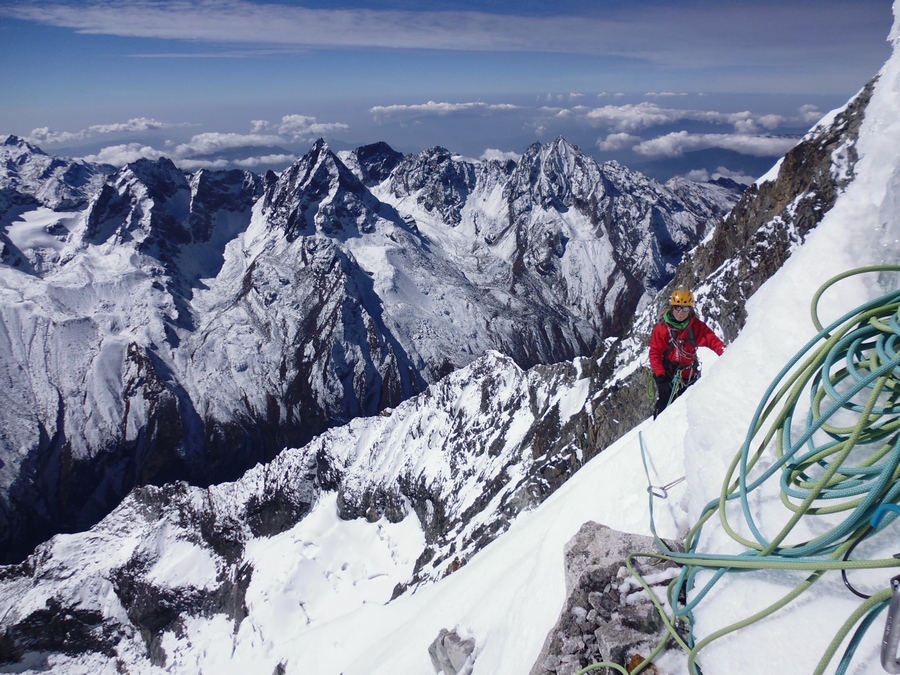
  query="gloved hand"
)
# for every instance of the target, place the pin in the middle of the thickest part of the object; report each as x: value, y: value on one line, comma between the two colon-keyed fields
x: 663, y: 387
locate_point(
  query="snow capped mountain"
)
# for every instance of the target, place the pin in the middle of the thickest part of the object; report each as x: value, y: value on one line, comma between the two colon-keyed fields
x: 167, y: 326
x: 54, y: 182
x: 435, y: 529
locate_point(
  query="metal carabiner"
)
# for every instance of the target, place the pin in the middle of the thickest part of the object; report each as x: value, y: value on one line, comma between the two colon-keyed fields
x: 891, y: 639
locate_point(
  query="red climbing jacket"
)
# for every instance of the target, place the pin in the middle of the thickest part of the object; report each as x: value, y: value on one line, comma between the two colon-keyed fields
x: 672, y: 349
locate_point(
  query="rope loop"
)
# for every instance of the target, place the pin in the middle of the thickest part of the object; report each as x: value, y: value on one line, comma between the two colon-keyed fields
x: 837, y: 454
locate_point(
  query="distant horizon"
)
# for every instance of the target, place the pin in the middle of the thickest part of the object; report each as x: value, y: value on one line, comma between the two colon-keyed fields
x: 338, y: 148
x: 694, y: 88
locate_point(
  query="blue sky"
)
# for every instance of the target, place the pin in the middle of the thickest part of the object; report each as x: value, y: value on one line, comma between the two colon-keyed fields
x: 692, y: 87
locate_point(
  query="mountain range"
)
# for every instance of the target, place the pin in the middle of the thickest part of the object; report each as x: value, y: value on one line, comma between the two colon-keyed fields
x: 160, y: 325
x: 341, y: 419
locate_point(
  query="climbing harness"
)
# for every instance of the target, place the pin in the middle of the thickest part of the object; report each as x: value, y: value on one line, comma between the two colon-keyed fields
x: 678, y: 384
x: 843, y: 458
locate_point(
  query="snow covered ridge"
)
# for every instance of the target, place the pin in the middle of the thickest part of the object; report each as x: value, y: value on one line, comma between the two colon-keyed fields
x: 167, y: 326
x: 435, y: 479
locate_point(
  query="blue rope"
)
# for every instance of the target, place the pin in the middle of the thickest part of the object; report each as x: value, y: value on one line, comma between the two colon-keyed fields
x: 850, y: 369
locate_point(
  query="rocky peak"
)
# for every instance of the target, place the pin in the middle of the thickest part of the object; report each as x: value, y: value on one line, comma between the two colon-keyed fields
x: 55, y: 182
x: 440, y: 182
x: 318, y: 193
x: 20, y: 144
x: 546, y: 174
x: 377, y: 161
x: 146, y: 202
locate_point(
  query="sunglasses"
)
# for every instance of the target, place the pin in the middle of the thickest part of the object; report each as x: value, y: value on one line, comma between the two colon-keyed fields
x: 680, y: 308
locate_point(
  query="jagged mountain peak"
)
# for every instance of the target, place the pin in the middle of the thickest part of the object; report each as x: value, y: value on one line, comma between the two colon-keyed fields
x: 319, y: 193
x: 12, y: 141
x: 152, y: 170
x: 375, y: 161
x: 58, y: 183
x: 236, y: 314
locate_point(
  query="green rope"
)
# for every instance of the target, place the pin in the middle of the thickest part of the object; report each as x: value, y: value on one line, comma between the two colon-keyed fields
x: 849, y: 371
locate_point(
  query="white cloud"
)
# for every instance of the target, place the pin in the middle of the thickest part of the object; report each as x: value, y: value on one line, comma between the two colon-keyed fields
x: 386, y: 112
x: 748, y: 123
x: 734, y: 34
x: 679, y: 142
x: 120, y: 155
x: 271, y: 23
x: 46, y: 136
x: 202, y: 149
x: 770, y: 121
x: 211, y: 143
x: 499, y: 155
x: 246, y: 163
x: 632, y: 117
x: 619, y: 141
x: 810, y: 114
x: 297, y: 127
x: 702, y: 175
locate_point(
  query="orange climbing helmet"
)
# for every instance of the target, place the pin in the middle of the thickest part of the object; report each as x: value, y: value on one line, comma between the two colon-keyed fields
x: 682, y: 296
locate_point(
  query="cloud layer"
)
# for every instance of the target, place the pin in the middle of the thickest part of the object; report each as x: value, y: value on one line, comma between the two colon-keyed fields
x: 211, y: 150
x: 690, y: 35
x: 640, y: 130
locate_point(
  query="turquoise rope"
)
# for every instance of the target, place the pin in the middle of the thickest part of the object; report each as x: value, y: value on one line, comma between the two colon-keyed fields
x: 854, y: 357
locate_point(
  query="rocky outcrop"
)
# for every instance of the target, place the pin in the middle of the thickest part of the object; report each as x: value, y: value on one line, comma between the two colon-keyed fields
x: 751, y: 243
x: 772, y: 218
x: 451, y: 654
x: 607, y: 615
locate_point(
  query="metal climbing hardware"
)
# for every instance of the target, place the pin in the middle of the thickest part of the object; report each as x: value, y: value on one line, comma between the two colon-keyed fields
x: 662, y: 491
x: 891, y: 639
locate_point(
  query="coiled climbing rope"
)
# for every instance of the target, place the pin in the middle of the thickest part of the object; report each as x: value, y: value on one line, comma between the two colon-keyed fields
x: 842, y: 460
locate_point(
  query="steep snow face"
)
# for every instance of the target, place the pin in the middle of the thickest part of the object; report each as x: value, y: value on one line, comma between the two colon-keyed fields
x: 188, y: 326
x: 862, y: 229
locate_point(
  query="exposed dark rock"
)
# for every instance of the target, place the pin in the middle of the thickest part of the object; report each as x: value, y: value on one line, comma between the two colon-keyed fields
x: 377, y: 161
x: 59, y: 628
x: 441, y: 183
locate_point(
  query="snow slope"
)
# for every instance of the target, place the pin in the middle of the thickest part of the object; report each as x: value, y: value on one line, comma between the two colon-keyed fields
x: 508, y: 597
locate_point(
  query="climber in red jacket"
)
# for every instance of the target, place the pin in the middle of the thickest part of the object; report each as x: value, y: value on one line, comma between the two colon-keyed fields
x: 673, y: 348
